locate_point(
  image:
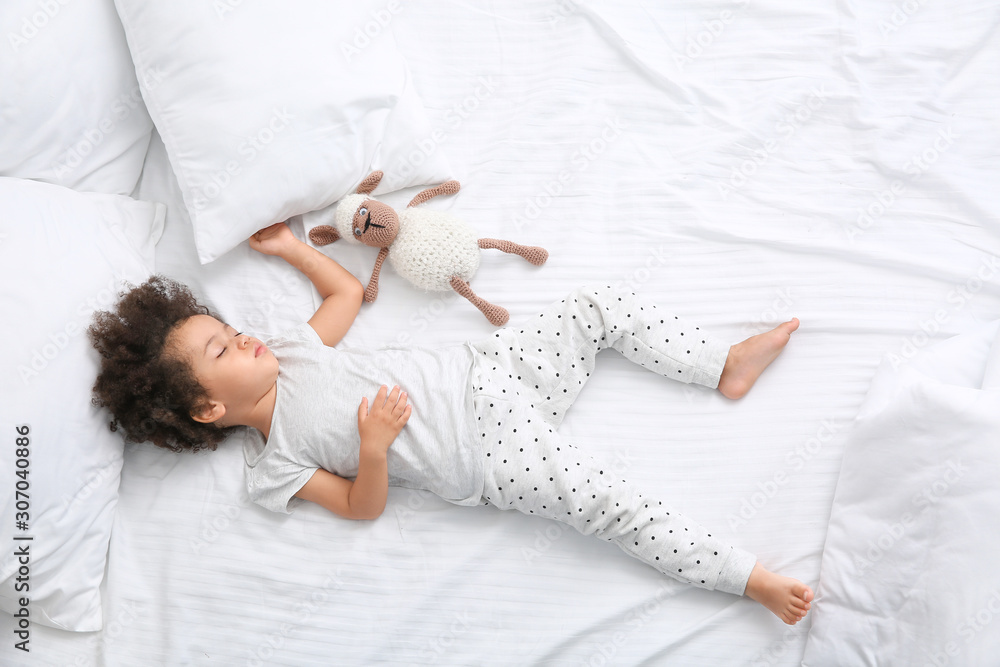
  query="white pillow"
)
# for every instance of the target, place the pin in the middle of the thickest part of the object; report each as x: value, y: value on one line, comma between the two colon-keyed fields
x: 909, y: 572
x: 70, y: 111
x: 63, y: 254
x: 268, y: 110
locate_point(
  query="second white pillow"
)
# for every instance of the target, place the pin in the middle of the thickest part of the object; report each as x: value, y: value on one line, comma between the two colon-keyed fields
x: 269, y: 110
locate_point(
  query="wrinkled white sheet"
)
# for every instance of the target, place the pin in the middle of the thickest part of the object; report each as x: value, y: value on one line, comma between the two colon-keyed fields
x: 799, y: 160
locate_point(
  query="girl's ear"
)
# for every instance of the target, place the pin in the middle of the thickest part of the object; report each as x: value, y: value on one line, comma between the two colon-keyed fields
x: 370, y: 183
x: 208, y: 413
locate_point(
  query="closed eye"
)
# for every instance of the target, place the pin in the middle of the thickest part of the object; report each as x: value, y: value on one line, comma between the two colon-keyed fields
x: 225, y: 347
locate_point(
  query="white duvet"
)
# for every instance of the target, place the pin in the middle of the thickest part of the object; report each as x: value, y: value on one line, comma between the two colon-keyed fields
x: 909, y: 572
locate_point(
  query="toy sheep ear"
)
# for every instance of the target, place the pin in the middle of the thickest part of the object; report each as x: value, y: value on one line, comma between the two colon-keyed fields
x: 324, y: 235
x: 370, y: 183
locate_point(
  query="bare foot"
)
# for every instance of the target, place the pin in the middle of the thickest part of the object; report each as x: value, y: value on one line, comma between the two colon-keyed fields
x: 788, y: 599
x: 747, y: 360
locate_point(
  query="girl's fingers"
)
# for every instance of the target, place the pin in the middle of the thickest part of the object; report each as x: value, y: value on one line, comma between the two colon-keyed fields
x: 395, y: 401
x: 400, y: 417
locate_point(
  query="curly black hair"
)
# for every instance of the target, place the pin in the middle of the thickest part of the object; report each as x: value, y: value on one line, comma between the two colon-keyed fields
x: 149, y: 389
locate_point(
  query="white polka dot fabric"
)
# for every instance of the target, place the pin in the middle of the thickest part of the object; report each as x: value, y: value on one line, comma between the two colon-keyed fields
x: 554, y: 354
x: 527, y: 378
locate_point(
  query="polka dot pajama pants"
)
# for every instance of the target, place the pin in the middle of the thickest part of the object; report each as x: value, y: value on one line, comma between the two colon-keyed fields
x: 526, y: 379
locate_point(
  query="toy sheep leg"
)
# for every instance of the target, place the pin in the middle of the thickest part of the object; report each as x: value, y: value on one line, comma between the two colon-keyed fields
x: 532, y: 253
x: 448, y: 188
x: 497, y: 315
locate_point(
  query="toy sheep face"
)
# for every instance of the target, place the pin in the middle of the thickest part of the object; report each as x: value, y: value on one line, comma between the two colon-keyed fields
x: 375, y: 224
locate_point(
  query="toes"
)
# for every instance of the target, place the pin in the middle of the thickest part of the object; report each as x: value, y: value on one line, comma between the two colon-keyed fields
x: 788, y: 327
x: 792, y: 616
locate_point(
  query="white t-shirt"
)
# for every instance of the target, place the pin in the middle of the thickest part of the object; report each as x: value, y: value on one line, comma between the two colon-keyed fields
x: 315, y: 421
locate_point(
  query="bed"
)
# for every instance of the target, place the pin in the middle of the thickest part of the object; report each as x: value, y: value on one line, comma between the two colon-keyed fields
x: 741, y: 163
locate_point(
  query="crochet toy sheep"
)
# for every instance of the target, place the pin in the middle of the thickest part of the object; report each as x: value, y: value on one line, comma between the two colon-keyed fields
x: 434, y: 250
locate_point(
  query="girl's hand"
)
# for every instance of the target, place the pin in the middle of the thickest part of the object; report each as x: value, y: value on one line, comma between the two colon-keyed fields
x: 273, y: 240
x: 380, y: 425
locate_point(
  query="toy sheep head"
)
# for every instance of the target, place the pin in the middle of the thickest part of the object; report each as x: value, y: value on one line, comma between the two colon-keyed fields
x: 373, y: 223
x: 361, y: 219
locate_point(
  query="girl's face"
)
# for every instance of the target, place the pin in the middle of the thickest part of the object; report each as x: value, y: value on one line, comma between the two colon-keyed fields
x: 235, y: 369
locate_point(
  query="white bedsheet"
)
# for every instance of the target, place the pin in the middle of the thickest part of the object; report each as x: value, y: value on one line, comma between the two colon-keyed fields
x: 797, y: 160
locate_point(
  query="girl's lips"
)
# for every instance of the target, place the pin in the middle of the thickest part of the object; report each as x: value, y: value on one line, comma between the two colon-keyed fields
x: 260, y: 350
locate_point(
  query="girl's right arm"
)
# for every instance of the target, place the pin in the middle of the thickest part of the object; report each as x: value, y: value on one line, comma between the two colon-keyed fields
x: 365, y: 497
x: 342, y: 293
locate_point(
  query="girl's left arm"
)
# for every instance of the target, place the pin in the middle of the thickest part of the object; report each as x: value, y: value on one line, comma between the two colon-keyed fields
x: 342, y: 293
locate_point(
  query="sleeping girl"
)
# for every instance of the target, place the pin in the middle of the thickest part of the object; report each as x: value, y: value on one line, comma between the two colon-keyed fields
x: 475, y: 423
